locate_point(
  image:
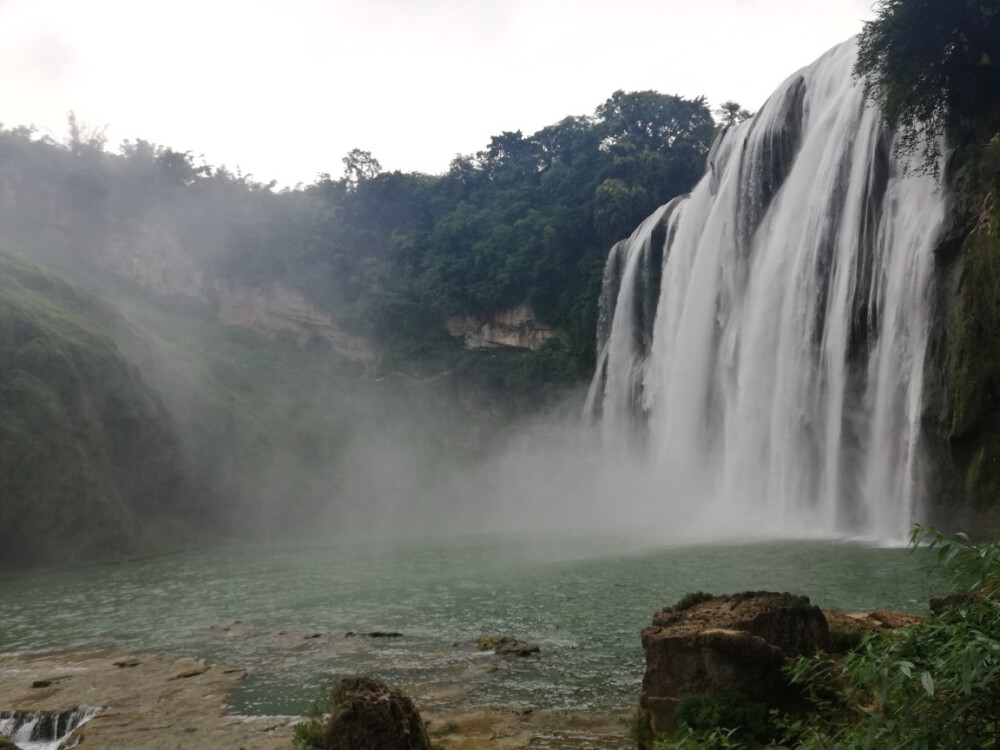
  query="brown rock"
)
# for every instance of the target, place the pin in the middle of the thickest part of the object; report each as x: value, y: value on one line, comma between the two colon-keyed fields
x: 887, y: 620
x: 505, y: 646
x: 725, y: 645
x: 368, y: 715
x: 846, y: 631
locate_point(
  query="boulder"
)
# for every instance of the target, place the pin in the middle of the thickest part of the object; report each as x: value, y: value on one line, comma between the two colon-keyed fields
x: 724, y: 646
x: 503, y: 645
x: 846, y: 631
x: 369, y: 715
x: 938, y: 606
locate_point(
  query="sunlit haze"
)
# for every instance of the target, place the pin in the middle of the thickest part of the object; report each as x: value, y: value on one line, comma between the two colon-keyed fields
x: 283, y: 91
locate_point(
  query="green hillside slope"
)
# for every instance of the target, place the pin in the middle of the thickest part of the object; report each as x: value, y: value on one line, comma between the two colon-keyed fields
x: 88, y: 455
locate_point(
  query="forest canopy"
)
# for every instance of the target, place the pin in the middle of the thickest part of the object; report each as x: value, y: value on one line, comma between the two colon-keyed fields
x: 934, y: 68
x: 527, y: 219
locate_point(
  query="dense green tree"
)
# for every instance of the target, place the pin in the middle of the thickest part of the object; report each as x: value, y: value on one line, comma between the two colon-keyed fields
x: 730, y: 113
x: 527, y: 219
x: 647, y: 119
x: 360, y: 166
x: 934, y: 67
x: 83, y: 137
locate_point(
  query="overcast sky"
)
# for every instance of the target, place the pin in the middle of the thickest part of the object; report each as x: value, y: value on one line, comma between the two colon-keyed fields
x: 283, y: 89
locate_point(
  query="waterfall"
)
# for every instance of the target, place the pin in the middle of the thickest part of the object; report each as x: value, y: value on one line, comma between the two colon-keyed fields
x: 44, y: 730
x: 778, y: 366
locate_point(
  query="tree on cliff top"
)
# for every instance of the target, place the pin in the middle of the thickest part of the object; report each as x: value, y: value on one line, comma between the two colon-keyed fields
x: 934, y: 67
x: 730, y: 113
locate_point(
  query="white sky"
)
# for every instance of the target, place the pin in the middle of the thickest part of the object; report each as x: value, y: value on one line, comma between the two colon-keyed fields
x: 284, y: 88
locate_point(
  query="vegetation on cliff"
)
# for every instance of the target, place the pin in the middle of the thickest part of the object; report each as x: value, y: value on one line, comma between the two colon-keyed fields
x: 88, y: 454
x: 934, y: 68
x: 528, y: 219
x: 150, y: 425
x: 262, y: 434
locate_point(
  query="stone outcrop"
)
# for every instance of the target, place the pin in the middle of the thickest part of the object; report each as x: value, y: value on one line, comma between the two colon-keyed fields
x: 271, y: 309
x: 368, y: 715
x: 723, y: 646
x: 515, y: 327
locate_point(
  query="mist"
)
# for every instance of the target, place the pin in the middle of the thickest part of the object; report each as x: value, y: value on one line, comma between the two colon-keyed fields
x: 305, y: 395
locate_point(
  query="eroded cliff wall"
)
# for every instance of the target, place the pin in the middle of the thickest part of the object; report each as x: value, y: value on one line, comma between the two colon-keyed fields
x: 962, y: 384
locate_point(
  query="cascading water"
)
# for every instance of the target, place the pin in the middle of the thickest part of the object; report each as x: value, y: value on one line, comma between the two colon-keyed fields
x: 44, y: 730
x: 781, y: 374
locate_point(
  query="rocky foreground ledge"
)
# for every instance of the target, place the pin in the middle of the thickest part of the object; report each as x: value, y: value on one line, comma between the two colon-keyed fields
x: 146, y: 702
x: 703, y: 645
x: 150, y: 702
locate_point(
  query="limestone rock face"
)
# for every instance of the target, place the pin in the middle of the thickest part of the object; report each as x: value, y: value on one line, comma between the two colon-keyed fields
x: 728, y: 644
x: 368, y: 715
x: 272, y: 308
x: 515, y: 327
x: 154, y: 259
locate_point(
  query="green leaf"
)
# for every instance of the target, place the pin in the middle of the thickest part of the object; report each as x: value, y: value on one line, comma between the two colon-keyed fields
x: 882, y: 684
x: 928, y: 682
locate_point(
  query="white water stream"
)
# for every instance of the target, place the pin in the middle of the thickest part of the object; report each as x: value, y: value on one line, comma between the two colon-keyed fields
x: 782, y: 373
x: 44, y: 730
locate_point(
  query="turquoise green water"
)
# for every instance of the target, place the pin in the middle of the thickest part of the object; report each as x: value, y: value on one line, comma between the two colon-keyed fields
x: 284, y: 611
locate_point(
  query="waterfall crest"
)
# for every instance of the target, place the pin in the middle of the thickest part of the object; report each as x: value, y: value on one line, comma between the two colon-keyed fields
x: 763, y: 338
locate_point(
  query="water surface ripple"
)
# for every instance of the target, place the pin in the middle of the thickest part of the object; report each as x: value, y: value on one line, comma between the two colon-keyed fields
x: 284, y: 612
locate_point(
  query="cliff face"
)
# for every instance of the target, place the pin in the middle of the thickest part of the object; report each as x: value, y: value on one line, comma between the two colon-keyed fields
x: 87, y: 452
x: 271, y: 309
x: 153, y: 258
x: 516, y: 327
x: 962, y: 381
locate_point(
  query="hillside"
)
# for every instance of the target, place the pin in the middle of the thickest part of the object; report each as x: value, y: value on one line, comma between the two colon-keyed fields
x: 89, y: 456
x: 322, y: 358
x: 142, y: 426
x: 391, y: 259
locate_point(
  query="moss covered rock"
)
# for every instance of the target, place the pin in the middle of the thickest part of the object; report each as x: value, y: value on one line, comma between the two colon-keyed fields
x: 369, y: 715
x: 726, y: 646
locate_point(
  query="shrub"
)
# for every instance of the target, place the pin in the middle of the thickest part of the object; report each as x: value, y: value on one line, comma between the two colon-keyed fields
x: 691, y: 599
x: 741, y: 719
x: 936, y: 684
